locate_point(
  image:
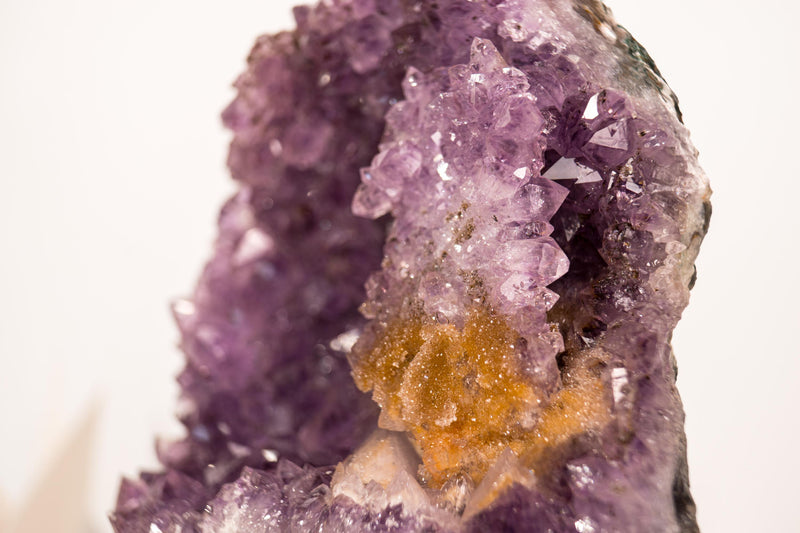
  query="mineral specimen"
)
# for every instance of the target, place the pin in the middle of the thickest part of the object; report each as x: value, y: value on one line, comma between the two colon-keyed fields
x: 486, y: 214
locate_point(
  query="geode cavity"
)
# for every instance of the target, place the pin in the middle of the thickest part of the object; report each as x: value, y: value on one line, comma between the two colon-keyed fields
x: 486, y: 215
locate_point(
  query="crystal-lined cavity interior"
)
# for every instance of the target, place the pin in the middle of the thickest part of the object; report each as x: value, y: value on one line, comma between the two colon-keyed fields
x: 486, y: 215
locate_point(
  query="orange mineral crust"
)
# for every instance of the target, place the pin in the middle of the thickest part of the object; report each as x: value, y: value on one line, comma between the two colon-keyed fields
x: 462, y: 394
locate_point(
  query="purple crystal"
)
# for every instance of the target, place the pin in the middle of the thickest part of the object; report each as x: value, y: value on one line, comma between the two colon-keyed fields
x: 489, y: 212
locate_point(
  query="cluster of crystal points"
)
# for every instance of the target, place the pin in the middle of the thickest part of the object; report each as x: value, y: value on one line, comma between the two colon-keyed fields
x: 512, y: 315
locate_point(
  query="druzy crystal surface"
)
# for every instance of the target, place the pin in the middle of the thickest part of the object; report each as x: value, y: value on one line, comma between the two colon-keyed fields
x: 483, y: 214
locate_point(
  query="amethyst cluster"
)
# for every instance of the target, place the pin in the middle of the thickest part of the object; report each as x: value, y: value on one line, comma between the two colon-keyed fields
x: 484, y: 213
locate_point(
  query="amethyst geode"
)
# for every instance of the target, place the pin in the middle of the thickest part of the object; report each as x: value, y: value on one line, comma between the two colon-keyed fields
x: 484, y: 213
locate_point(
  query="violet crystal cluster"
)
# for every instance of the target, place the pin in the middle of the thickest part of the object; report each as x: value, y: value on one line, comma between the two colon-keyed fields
x: 483, y: 213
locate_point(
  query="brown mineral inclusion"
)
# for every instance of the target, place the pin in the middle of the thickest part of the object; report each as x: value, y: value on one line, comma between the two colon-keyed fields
x: 464, y: 398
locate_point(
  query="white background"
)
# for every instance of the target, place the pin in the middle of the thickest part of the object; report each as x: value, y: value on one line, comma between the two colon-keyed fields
x: 112, y: 170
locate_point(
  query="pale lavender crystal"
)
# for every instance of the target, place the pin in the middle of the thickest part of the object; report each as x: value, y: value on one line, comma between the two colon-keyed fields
x: 384, y: 149
x: 459, y: 172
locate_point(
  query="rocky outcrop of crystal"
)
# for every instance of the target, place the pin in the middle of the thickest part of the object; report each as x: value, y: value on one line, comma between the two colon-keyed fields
x: 485, y: 214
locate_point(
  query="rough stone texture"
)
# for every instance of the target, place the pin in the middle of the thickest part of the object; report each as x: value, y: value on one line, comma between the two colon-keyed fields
x: 545, y: 209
